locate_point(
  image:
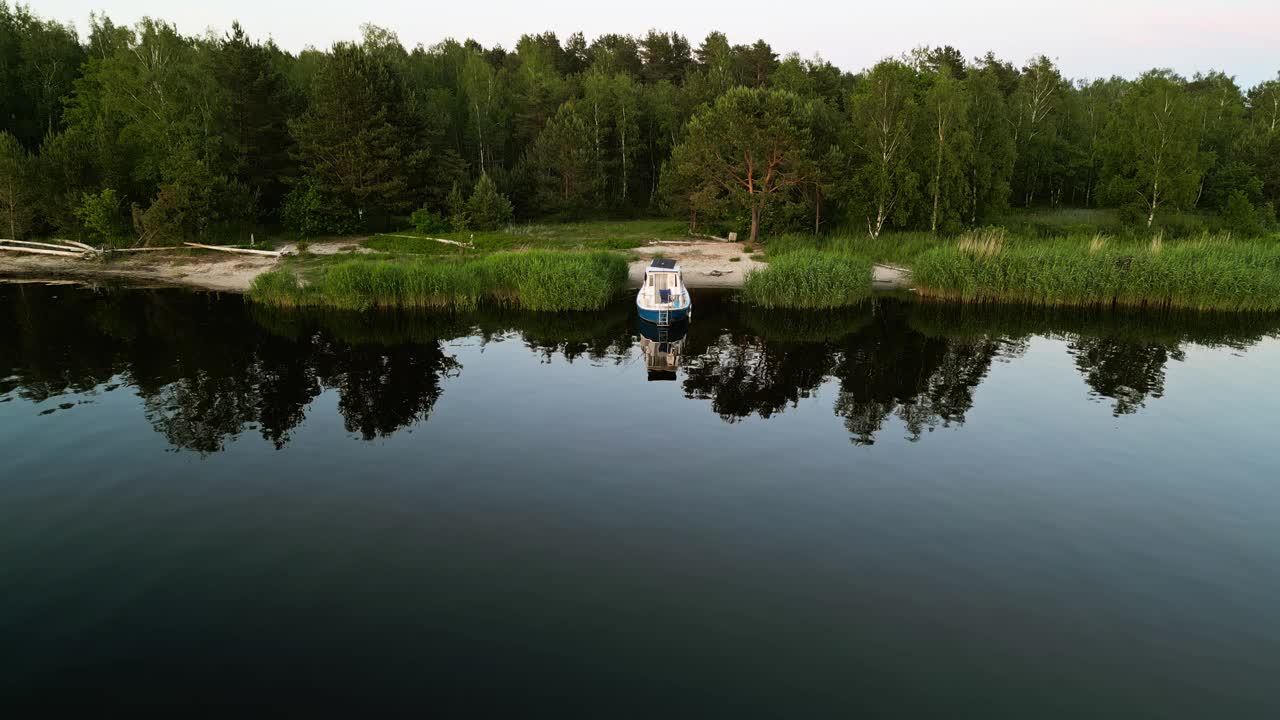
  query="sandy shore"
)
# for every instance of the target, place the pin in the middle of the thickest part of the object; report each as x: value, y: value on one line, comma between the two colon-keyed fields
x: 706, y: 264
x: 712, y: 265
x: 209, y: 271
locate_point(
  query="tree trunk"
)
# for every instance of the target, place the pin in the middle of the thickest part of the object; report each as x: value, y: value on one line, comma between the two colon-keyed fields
x: 755, y: 223
x: 623, y: 130
x: 874, y: 229
x: 1155, y: 200
x: 973, y: 205
x: 480, y: 135
x: 595, y: 114
x: 937, y: 176
x: 817, y: 210
x: 937, y: 193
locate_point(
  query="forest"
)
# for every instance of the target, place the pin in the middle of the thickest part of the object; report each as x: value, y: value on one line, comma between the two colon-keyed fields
x: 138, y: 135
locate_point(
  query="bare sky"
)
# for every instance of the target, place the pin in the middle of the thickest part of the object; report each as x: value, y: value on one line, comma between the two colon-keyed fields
x: 1088, y: 38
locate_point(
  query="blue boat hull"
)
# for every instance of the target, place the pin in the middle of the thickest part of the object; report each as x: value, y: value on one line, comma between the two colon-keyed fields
x: 673, y: 316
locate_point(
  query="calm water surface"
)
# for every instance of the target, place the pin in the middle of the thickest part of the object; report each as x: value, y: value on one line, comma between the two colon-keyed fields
x: 902, y: 510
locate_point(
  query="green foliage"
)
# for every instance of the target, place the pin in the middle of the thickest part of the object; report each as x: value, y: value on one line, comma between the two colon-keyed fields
x: 747, y: 150
x: 1211, y: 273
x: 883, y: 118
x: 1241, y: 218
x: 101, y: 216
x: 194, y: 204
x: 487, y: 208
x: 358, y: 142
x: 16, y: 204
x: 561, y: 165
x: 539, y: 280
x: 254, y: 116
x: 206, y: 135
x: 1153, y: 155
x: 39, y: 62
x: 949, y: 144
x: 459, y: 215
x: 428, y: 221
x: 809, y: 279
x: 309, y: 213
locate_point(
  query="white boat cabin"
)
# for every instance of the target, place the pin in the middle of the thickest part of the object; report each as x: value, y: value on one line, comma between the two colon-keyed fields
x: 663, y: 287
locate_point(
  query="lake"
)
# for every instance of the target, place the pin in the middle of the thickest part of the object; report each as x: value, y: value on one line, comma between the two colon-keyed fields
x: 907, y: 509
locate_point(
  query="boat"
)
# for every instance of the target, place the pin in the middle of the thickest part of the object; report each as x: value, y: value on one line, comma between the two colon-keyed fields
x: 663, y: 348
x: 663, y: 299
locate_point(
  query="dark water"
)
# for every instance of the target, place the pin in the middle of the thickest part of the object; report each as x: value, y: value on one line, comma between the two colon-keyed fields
x: 906, y: 510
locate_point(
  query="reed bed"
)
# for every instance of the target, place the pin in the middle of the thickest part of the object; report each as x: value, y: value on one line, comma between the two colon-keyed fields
x: 809, y: 280
x: 895, y: 248
x: 1209, y: 273
x: 540, y: 281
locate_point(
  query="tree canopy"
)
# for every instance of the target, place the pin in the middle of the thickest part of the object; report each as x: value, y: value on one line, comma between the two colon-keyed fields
x: 144, y: 132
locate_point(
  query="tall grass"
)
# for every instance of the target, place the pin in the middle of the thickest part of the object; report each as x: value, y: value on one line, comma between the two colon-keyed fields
x: 541, y: 280
x: 895, y: 248
x: 1210, y: 273
x: 809, y: 279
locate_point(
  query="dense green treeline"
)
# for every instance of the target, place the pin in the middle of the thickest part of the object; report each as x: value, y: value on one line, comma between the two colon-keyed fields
x: 142, y: 134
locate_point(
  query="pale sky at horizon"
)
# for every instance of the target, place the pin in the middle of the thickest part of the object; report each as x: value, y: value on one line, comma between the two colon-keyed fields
x: 1096, y: 38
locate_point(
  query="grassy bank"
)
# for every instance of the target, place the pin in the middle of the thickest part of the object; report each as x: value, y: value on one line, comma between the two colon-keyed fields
x: 893, y: 248
x: 807, y: 279
x: 538, y: 280
x: 1209, y: 273
x: 593, y: 235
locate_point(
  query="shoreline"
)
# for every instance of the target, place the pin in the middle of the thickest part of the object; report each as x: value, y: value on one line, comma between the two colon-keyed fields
x: 706, y: 264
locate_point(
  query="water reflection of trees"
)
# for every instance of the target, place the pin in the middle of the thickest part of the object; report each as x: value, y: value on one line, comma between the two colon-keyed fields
x: 208, y: 368
x: 921, y: 363
x: 1122, y: 355
x: 206, y: 372
x: 1125, y: 372
x: 890, y: 370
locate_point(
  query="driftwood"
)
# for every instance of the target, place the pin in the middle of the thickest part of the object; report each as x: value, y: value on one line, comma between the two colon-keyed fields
x: 717, y: 273
x: 147, y: 249
x: 269, y: 253
x: 38, y: 251
x: 439, y: 240
x: 51, y: 246
x: 80, y: 245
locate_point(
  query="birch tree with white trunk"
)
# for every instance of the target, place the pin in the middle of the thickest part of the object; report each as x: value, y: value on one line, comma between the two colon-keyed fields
x: 1155, y: 158
x: 883, y: 114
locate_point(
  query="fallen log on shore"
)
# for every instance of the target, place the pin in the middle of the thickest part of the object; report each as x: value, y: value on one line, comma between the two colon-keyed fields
x: 37, y: 251
x: 81, y: 245
x: 77, y: 248
x: 439, y: 240
x: 147, y: 249
x: 219, y: 248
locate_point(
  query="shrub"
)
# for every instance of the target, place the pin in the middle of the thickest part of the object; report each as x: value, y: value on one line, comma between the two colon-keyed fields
x: 309, y: 213
x: 488, y: 208
x: 459, y: 217
x: 1240, y: 217
x: 102, y: 216
x: 429, y: 221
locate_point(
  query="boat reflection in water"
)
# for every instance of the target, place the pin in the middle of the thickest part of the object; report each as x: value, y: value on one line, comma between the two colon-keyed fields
x: 663, y: 348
